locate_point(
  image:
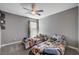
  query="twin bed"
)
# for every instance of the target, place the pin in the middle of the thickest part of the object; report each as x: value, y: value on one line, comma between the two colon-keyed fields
x: 46, y: 45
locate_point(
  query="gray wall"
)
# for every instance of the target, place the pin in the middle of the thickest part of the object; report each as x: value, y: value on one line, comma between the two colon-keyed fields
x: 0, y: 40
x: 78, y: 25
x: 65, y: 23
x: 0, y: 36
x: 16, y: 28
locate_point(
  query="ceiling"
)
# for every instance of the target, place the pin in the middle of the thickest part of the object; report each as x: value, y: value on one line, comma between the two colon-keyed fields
x: 49, y: 8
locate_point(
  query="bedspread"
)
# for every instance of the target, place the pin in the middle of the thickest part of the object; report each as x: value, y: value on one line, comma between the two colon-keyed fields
x: 39, y: 48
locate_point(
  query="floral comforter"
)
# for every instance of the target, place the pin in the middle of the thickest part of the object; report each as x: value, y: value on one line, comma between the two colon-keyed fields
x: 39, y: 48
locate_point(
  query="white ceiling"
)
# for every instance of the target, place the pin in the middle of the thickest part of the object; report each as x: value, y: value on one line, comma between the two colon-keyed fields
x: 49, y: 8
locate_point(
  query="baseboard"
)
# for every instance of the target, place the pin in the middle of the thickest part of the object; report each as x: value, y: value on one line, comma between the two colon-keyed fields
x: 9, y: 43
x: 77, y: 49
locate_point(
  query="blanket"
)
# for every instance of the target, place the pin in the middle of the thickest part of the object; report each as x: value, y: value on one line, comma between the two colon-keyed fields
x: 51, y: 51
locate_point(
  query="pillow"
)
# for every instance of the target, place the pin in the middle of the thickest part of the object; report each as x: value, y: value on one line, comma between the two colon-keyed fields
x: 59, y: 37
x: 45, y: 37
x: 50, y: 39
x: 54, y: 39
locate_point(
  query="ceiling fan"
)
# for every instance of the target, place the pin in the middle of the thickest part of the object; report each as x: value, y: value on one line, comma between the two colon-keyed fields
x: 34, y: 11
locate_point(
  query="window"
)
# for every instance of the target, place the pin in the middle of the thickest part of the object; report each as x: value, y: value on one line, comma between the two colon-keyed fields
x: 33, y: 28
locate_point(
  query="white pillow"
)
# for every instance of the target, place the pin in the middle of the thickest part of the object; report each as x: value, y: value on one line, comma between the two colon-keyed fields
x: 59, y: 37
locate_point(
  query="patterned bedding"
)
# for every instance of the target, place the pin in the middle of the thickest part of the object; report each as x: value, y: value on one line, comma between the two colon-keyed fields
x: 34, y: 41
x: 42, y: 43
x: 40, y: 47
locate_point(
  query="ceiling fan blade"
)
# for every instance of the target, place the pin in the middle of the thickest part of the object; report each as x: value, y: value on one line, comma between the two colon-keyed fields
x: 38, y: 14
x: 26, y: 8
x: 39, y: 11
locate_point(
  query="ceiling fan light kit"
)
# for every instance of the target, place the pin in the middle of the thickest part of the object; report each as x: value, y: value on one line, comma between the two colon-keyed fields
x: 34, y: 11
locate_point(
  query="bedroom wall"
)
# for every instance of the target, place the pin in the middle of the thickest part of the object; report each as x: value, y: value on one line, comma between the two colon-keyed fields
x: 0, y: 40
x: 78, y: 25
x: 65, y: 23
x: 0, y: 36
x: 16, y: 28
